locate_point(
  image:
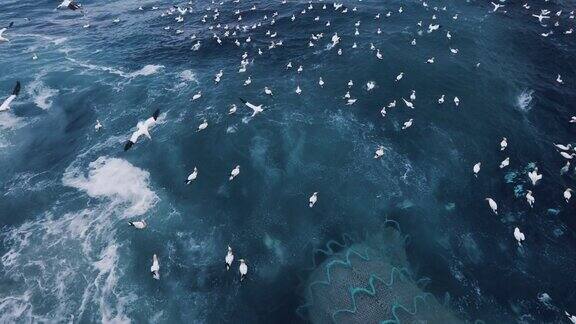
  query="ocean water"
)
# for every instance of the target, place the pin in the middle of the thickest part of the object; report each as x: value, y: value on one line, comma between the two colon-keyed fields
x: 68, y: 191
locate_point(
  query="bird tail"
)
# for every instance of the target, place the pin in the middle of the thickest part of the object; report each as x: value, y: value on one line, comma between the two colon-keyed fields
x: 231, y: 177
x: 187, y: 181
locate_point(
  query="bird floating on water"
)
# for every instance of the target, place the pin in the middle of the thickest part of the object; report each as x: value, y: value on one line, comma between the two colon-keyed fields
x: 313, y: 199
x: 519, y: 236
x: 229, y: 258
x: 235, y: 172
x: 243, y: 268
x: 138, y: 224
x: 192, y: 176
x: 492, y: 205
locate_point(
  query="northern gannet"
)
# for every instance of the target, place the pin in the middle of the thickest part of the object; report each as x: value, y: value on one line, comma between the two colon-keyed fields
x: 229, y: 258
x: 505, y: 163
x: 68, y: 4
x: 530, y: 198
x: 568, y: 194
x: 255, y: 109
x: 138, y: 224
x: 243, y: 268
x: 503, y: 144
x: 519, y: 236
x: 379, y: 152
x: 15, y: 92
x: 155, y: 268
x: 408, y: 123
x: 534, y: 176
x: 313, y: 199
x: 476, y: 168
x: 98, y: 125
x: 192, y: 176
x: 234, y: 173
x: 493, y: 205
x: 142, y: 129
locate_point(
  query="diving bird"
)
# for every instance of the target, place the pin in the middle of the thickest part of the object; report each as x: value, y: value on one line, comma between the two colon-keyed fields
x: 142, y: 129
x: 519, y: 236
x: 155, y: 268
x: 243, y: 268
x: 138, y: 224
x: 534, y: 176
x: 313, y: 199
x: 568, y: 194
x: 68, y: 4
x: 255, y: 109
x: 493, y: 205
x: 98, y: 125
x: 15, y: 92
x: 476, y: 168
x: 503, y: 144
x: 192, y: 176
x: 530, y: 198
x: 229, y: 258
x: 505, y: 163
x: 234, y: 173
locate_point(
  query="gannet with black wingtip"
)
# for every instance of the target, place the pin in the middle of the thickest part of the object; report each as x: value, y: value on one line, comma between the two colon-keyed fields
x: 567, y: 155
x: 534, y: 176
x: 408, y: 124
x: 229, y: 258
x: 142, y: 129
x: 568, y: 194
x: 268, y: 91
x: 68, y: 4
x: 505, y: 163
x: 493, y: 205
x: 155, y: 268
x: 496, y: 6
x: 255, y: 109
x: 15, y: 92
x: 530, y: 198
x: 572, y: 318
x: 138, y: 224
x: 564, y: 147
x: 243, y: 268
x: 192, y: 176
x: 476, y: 168
x: 503, y: 144
x: 235, y: 172
x: 408, y: 103
x: 313, y: 199
x: 519, y: 236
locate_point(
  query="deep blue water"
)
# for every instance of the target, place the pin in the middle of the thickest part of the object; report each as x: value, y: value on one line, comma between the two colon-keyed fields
x: 68, y: 190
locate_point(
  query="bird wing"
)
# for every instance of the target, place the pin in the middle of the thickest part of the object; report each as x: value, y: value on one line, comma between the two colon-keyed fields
x: 2, y: 31
x: 7, y: 102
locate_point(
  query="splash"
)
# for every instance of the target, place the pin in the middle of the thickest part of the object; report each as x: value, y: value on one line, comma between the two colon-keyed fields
x: 524, y: 100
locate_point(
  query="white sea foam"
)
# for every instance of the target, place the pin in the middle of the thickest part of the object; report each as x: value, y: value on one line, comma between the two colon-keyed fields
x: 41, y: 93
x: 45, y: 255
x: 145, y: 71
x: 187, y: 76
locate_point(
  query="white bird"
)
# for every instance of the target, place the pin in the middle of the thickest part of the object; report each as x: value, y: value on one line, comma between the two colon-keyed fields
x: 68, y: 4
x: 559, y: 79
x: 530, y: 198
x: 232, y: 109
x: 573, y: 119
x: 568, y: 194
x: 268, y: 91
x: 565, y: 168
x: 243, y: 268
x: 229, y: 258
x: 98, y: 125
x: 2, y: 38
x: 298, y: 90
x: 534, y: 176
x: 192, y: 176
x: 313, y: 199
x: 568, y: 155
x: 399, y: 76
x: 441, y: 100
x: 519, y: 236
x: 370, y: 85
x: 408, y: 123
x: 255, y: 109
x: 202, y: 126
x: 408, y: 103
x: 476, y: 168
x: 155, y: 268
x: 496, y: 6
x: 493, y: 205
x: 248, y: 81
x: 234, y: 173
x: 564, y: 147
x: 505, y: 163
x: 430, y: 60
x: 572, y: 318
x: 456, y: 101
x: 138, y: 224
x: 541, y: 17
x: 379, y: 152
x: 321, y: 82
x: 503, y: 144
x: 413, y: 95
x: 142, y: 129
x: 197, y: 96
x: 15, y: 92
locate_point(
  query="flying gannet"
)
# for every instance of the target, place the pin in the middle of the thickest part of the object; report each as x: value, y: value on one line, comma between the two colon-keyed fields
x: 142, y: 129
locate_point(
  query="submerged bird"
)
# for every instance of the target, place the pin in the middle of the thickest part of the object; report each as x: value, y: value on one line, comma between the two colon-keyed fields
x: 519, y: 236
x: 313, y: 199
x: 142, y: 129
x: 234, y: 173
x: 255, y: 109
x: 155, y: 268
x: 530, y: 198
x: 565, y: 168
x: 568, y: 194
x: 229, y: 258
x: 476, y: 168
x: 15, y: 92
x: 138, y: 224
x: 192, y: 176
x: 243, y: 268
x: 493, y: 205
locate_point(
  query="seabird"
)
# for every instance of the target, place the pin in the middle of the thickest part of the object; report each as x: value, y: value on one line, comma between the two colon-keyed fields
x: 255, y: 109
x: 568, y: 194
x: 564, y: 147
x: 530, y: 198
x: 441, y: 100
x: 197, y: 96
x: 229, y: 258
x: 243, y: 268
x: 232, y: 109
x: 519, y: 236
x: 564, y: 155
x: 476, y: 168
x: 572, y: 318
x: 408, y: 103
x: 565, y: 168
x: 2, y: 38
x: 505, y: 163
x: 534, y: 176
x: 98, y: 125
x: 496, y: 6
x: 408, y: 123
x: 142, y: 129
x: 493, y: 205
x: 202, y: 126
x: 313, y: 199
x: 155, y: 268
x: 399, y: 76
x: 15, y: 92
x: 234, y: 173
x: 68, y: 4
x: 138, y: 224
x: 503, y: 144
x: 379, y: 152
x: 456, y: 101
x: 268, y: 91
x: 192, y: 176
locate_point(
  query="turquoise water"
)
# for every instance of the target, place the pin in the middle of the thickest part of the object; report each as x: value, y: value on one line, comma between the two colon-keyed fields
x: 68, y: 190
